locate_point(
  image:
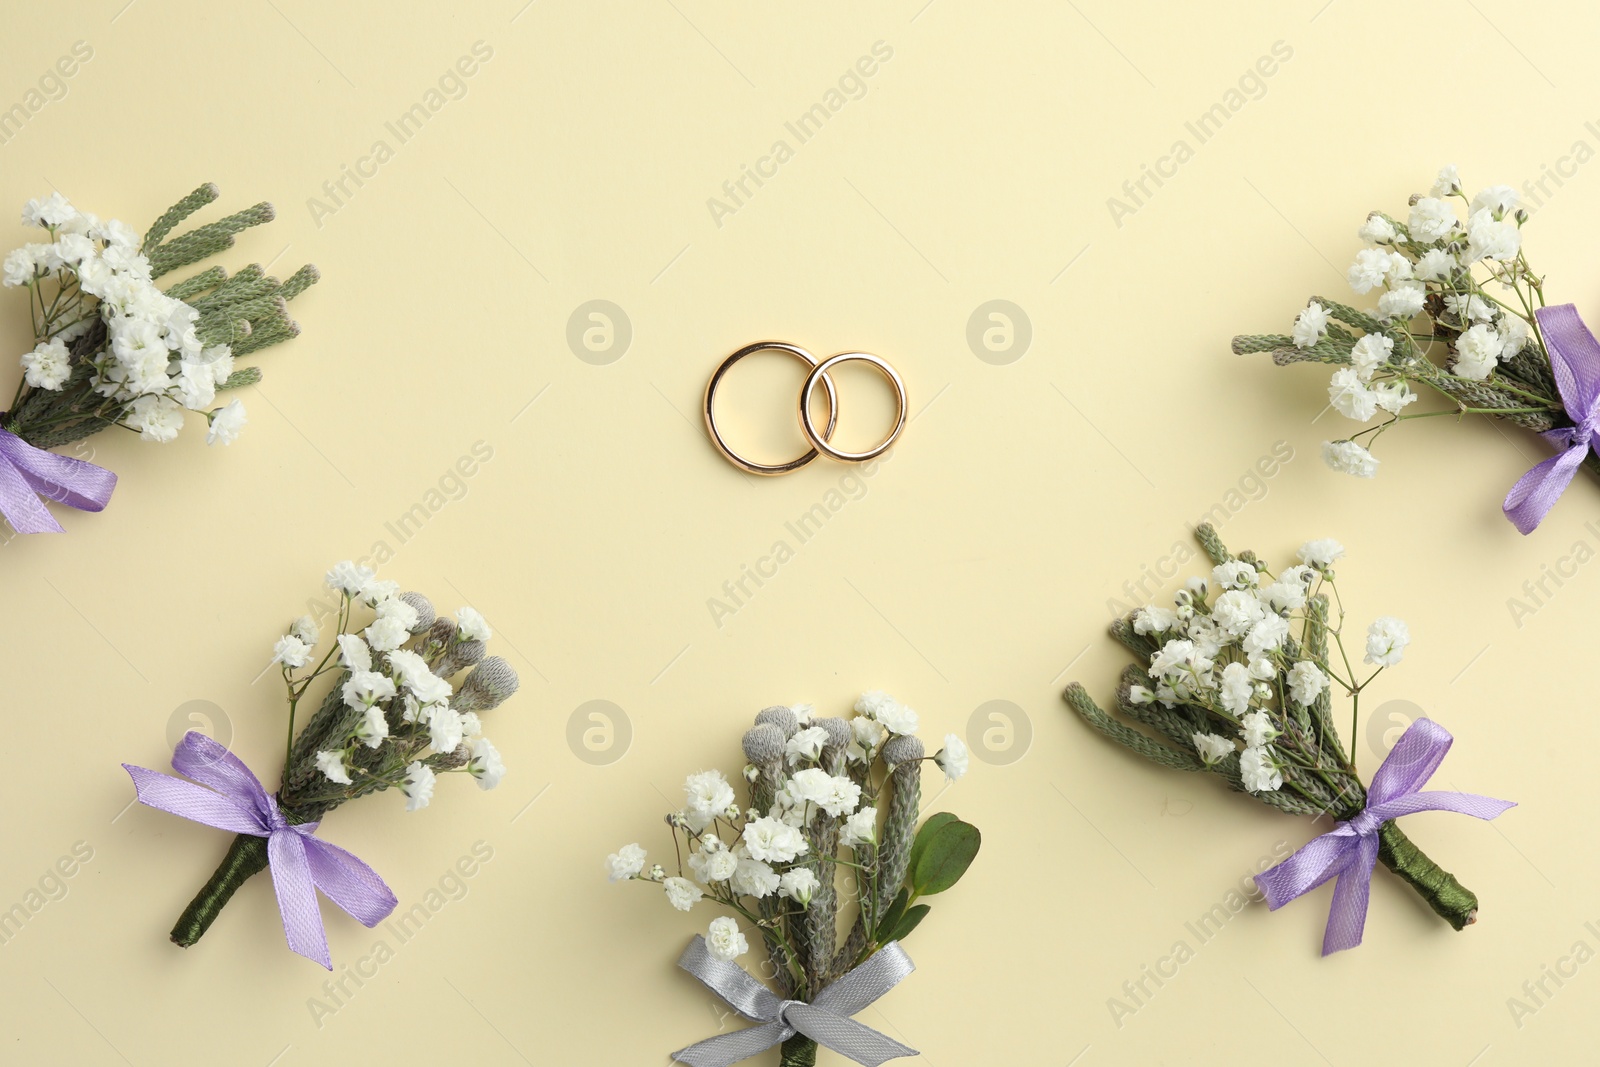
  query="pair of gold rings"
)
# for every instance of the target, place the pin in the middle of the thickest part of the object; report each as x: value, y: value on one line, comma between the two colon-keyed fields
x: 818, y: 440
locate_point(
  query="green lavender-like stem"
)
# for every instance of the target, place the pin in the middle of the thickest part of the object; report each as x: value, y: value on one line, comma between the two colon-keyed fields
x: 904, y: 754
x: 798, y: 1051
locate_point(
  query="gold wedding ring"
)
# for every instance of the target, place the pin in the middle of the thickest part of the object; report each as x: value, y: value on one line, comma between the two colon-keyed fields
x: 711, y: 419
x: 820, y: 373
x: 819, y: 440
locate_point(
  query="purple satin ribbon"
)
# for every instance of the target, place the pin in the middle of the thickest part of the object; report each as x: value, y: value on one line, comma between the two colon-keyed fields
x: 28, y: 473
x: 301, y: 864
x: 1575, y: 362
x: 1350, y: 850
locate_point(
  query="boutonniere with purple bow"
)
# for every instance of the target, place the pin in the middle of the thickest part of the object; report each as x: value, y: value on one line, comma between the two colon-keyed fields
x: 115, y: 345
x: 393, y: 717
x: 1237, y: 679
x: 830, y: 829
x: 1459, y: 312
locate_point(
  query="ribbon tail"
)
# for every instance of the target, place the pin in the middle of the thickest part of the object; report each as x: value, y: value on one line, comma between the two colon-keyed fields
x: 297, y: 896
x: 19, y: 504
x: 1347, y: 915
x: 727, y: 1049
x: 348, y: 882
x: 73, y: 482
x: 193, y: 802
x: 1459, y: 803
x: 1536, y: 492
x: 1318, y: 860
x: 847, y: 1037
x: 729, y: 981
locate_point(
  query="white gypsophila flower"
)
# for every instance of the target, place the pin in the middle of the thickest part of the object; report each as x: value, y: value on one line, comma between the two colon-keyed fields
x: 1235, y: 574
x: 707, y: 795
x: 1403, y: 302
x: 1435, y: 264
x: 1284, y: 595
x: 418, y: 786
x: 1496, y: 199
x: 1154, y: 620
x: 869, y: 702
x: 802, y: 713
x: 1236, y: 611
x: 373, y: 728
x: 1513, y: 336
x: 1393, y: 396
x: 157, y: 418
x: 1449, y: 181
x: 1377, y: 230
x: 354, y: 653
x: 1371, y: 267
x: 1262, y: 670
x: 485, y: 765
x: 54, y: 210
x: 1477, y: 351
x: 1321, y: 553
x: 291, y: 651
x: 798, y: 884
x: 1431, y: 219
x: 773, y: 840
x: 444, y: 727
x: 1265, y: 636
x: 1256, y: 729
x: 953, y: 758
x: 380, y: 592
x: 626, y: 862
x: 1399, y: 269
x: 724, y: 939
x: 860, y: 828
x: 386, y: 634
x: 806, y: 745
x: 1211, y: 748
x: 681, y: 893
x: 1387, y: 639
x: 347, y: 578
x: 897, y: 718
x: 46, y: 367
x: 471, y: 725
x: 331, y: 764
x: 1348, y: 457
x: 226, y: 423
x: 305, y: 628
x: 1139, y: 694
x: 472, y: 626
x: 365, y: 688
x: 1306, y: 682
x: 1491, y: 238
x: 18, y: 268
x: 1469, y: 307
x: 1236, y: 689
x: 754, y: 878
x: 1175, y: 657
x: 1257, y: 772
x: 714, y: 862
x: 1350, y: 396
x: 835, y: 795
x: 1310, y: 326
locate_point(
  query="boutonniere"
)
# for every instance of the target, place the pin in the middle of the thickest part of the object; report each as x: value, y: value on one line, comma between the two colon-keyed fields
x: 1237, y: 680
x: 118, y: 342
x: 830, y: 826
x: 404, y: 692
x: 1460, y: 314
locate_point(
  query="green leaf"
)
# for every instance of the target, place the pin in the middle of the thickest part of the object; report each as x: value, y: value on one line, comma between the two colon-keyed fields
x: 950, y: 850
x: 907, y: 924
x: 924, y: 834
x: 891, y: 914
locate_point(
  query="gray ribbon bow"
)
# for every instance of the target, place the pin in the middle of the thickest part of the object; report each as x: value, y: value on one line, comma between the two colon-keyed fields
x: 825, y: 1020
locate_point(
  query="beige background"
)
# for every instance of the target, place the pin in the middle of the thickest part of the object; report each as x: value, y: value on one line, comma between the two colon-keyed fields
x: 974, y: 566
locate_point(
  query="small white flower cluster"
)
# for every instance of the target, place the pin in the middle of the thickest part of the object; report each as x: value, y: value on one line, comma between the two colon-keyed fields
x: 1430, y: 253
x: 154, y: 365
x: 739, y: 853
x: 1224, y: 648
x: 396, y: 688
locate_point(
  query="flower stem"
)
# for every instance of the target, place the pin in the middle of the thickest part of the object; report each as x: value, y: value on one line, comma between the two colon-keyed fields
x: 798, y: 1051
x: 1454, y: 902
x: 246, y: 857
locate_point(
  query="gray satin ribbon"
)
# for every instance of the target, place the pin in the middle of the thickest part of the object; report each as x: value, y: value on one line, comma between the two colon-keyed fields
x: 826, y: 1020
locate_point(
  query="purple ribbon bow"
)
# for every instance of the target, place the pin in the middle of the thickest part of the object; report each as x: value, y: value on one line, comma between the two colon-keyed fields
x: 1350, y: 850
x: 27, y: 473
x: 1575, y: 362
x: 301, y: 863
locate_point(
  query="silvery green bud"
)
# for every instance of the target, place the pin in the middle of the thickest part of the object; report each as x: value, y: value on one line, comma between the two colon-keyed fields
x: 763, y: 744
x: 781, y: 717
x: 424, y: 609
x: 489, y: 684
